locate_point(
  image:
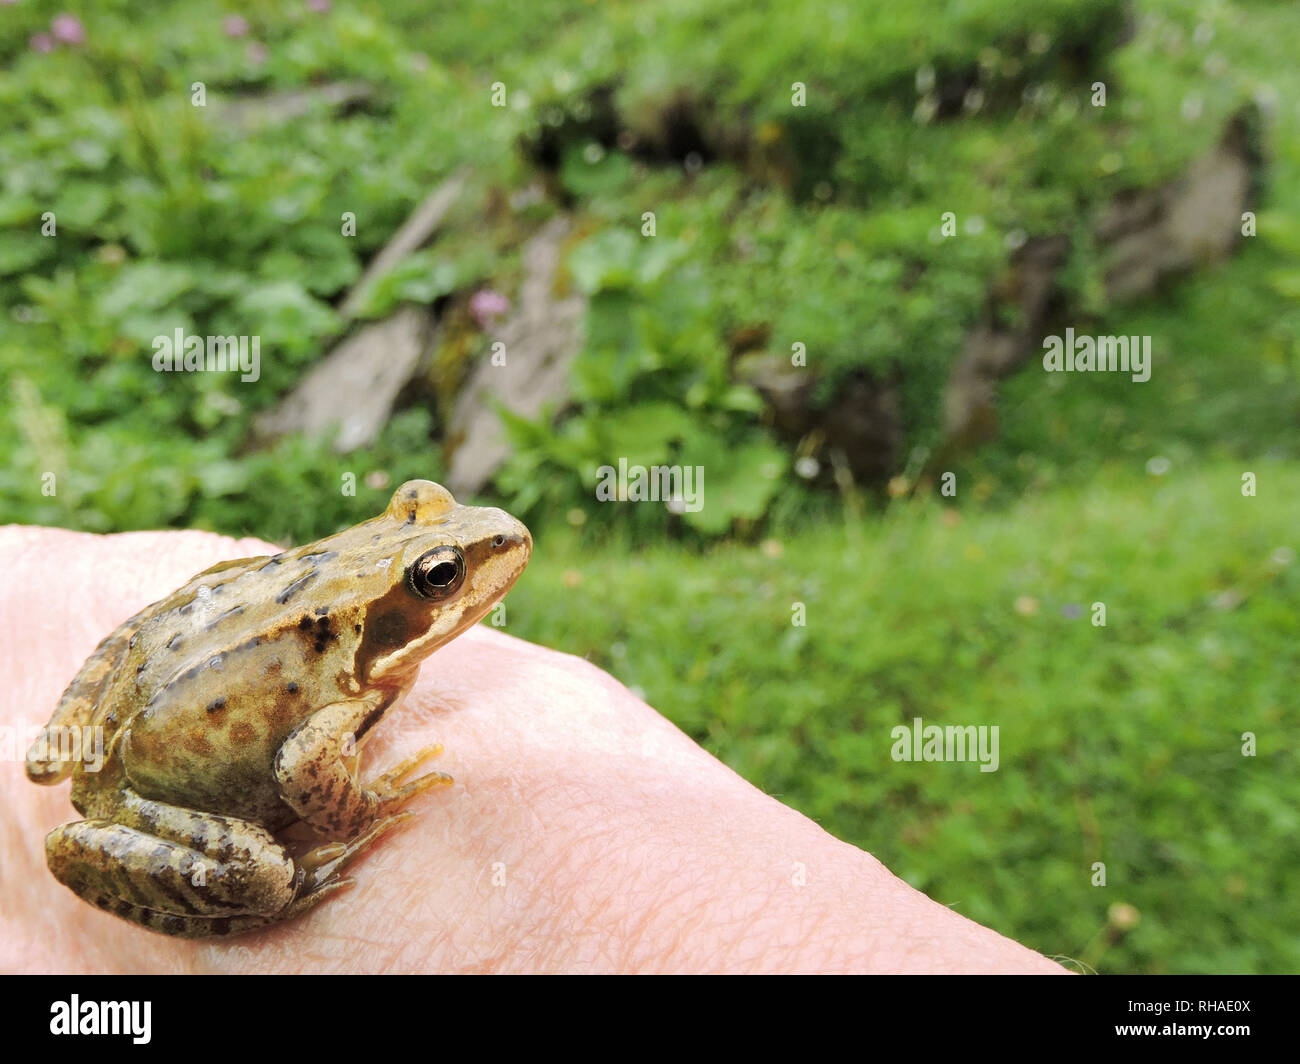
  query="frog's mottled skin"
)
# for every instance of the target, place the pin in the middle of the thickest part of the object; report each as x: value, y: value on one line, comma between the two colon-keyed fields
x: 229, y: 710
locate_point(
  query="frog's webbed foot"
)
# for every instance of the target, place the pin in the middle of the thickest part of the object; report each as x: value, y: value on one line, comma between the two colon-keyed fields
x: 317, y: 779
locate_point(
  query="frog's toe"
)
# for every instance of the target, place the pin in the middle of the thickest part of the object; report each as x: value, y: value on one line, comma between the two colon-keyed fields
x: 315, y: 896
x: 391, y: 799
x: 321, y: 865
x: 403, y: 769
x: 390, y: 794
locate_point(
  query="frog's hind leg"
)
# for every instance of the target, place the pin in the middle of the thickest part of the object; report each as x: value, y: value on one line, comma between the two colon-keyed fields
x: 318, y: 880
x: 197, y: 875
x: 76, y: 708
x: 159, y: 861
x: 211, y: 926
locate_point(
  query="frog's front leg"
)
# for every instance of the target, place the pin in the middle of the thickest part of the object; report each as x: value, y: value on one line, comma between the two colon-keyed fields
x: 315, y: 781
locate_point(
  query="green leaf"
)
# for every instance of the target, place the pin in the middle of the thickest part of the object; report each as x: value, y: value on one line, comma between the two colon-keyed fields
x: 81, y: 204
x: 644, y: 433
x: 286, y: 316
x: 144, y: 286
x: 22, y: 251
x: 737, y: 482
x: 607, y: 260
x: 608, y: 175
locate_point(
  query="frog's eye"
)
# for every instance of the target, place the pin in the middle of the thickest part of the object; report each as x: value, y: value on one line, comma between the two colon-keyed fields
x: 437, y: 573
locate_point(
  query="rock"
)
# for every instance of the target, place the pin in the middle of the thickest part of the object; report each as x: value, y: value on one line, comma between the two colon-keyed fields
x: 275, y: 108
x: 992, y: 350
x: 350, y: 393
x: 1146, y: 236
x: 352, y: 390
x: 1191, y: 222
x: 415, y: 232
x: 542, y: 336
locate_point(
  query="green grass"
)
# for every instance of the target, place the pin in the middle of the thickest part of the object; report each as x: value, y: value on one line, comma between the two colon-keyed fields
x: 1119, y: 744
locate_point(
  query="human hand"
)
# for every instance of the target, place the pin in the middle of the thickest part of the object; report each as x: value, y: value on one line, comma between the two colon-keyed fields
x: 584, y: 831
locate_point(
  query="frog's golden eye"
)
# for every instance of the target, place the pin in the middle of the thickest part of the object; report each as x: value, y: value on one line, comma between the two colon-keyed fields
x: 438, y: 573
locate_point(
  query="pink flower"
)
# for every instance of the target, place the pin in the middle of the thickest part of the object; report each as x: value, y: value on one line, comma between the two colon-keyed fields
x: 235, y: 26
x: 41, y: 42
x: 319, y: 6
x: 67, y: 29
x: 257, y: 52
x: 485, y: 305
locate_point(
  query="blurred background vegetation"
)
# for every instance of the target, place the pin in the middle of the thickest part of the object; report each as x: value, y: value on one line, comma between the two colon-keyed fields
x: 775, y: 225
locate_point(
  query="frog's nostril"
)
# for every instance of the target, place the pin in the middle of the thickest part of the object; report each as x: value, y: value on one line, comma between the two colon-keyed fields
x: 498, y: 541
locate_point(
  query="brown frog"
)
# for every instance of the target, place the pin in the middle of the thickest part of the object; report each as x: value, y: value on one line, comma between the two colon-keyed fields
x: 234, y: 708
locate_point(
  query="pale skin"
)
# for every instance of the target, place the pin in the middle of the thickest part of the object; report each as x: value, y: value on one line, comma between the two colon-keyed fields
x: 583, y: 833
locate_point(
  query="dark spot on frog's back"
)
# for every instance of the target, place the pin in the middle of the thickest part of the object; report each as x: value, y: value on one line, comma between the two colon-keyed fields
x: 293, y: 589
x: 223, y: 617
x: 198, y: 743
x: 291, y: 687
x: 243, y: 732
x: 410, y: 518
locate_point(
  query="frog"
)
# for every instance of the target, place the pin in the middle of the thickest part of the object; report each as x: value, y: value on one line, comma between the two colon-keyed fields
x: 234, y: 710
